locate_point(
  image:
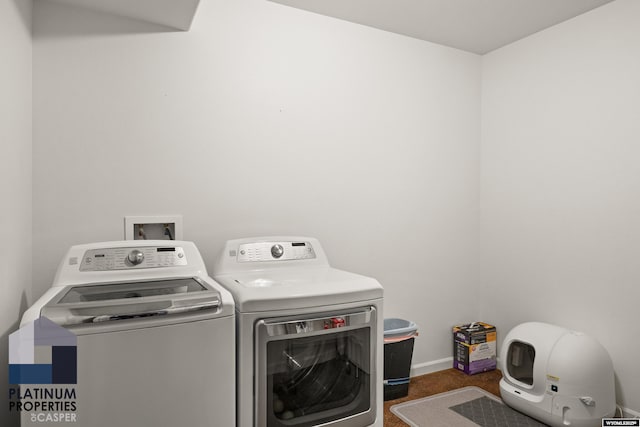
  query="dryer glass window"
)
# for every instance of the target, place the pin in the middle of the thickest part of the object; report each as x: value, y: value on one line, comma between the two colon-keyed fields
x: 316, y: 379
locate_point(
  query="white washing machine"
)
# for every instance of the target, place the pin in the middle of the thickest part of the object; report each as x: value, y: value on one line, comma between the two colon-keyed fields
x: 155, y: 336
x: 309, y: 336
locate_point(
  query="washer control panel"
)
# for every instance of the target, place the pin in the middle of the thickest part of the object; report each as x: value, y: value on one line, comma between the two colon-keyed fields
x: 274, y: 251
x: 128, y: 258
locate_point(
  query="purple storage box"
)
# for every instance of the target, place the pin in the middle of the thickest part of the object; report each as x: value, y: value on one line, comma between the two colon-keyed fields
x: 474, y: 347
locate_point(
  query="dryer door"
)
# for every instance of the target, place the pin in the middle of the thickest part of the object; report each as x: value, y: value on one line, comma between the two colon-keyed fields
x: 316, y: 370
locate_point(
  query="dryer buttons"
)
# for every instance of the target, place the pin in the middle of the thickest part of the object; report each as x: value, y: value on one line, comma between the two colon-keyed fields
x: 135, y: 257
x: 108, y: 259
x: 273, y: 251
x: 277, y: 251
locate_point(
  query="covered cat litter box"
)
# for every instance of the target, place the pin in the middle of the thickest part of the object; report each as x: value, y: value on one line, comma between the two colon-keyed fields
x: 559, y: 376
x: 399, y: 335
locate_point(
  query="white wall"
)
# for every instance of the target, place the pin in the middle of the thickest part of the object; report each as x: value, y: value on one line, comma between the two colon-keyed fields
x: 560, y: 210
x: 264, y: 119
x: 15, y: 178
x: 269, y: 120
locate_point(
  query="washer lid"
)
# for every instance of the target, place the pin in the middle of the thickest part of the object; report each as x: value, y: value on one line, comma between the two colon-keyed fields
x: 289, y: 288
x: 108, y: 302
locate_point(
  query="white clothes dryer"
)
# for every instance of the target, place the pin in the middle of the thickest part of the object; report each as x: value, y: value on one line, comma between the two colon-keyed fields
x: 155, y: 336
x: 309, y: 336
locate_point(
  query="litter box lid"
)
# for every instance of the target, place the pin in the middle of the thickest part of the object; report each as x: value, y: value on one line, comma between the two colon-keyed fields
x: 557, y: 375
x: 570, y: 360
x: 540, y: 338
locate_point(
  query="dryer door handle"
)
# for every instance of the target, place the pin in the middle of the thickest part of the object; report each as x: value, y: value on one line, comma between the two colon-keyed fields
x: 296, y: 326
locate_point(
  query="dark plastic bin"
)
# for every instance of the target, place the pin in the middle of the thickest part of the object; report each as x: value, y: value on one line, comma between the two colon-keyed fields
x: 399, y: 337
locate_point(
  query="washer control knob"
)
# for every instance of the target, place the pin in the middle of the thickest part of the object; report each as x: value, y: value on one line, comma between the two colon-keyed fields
x: 277, y: 251
x: 135, y: 257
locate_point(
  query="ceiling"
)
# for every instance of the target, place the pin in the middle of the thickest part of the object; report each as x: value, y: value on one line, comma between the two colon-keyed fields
x: 477, y: 26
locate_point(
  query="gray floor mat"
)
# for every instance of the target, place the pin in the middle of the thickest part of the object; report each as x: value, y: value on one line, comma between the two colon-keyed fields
x: 489, y: 413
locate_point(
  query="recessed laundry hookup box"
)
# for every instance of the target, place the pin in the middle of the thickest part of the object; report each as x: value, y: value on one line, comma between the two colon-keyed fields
x: 474, y: 347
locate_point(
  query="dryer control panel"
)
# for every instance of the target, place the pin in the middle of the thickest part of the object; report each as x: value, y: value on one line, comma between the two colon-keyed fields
x: 274, y: 251
x: 267, y: 253
x: 125, y: 258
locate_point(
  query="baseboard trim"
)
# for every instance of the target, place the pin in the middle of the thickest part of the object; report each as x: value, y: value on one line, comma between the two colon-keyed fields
x: 431, y: 366
x: 630, y: 413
